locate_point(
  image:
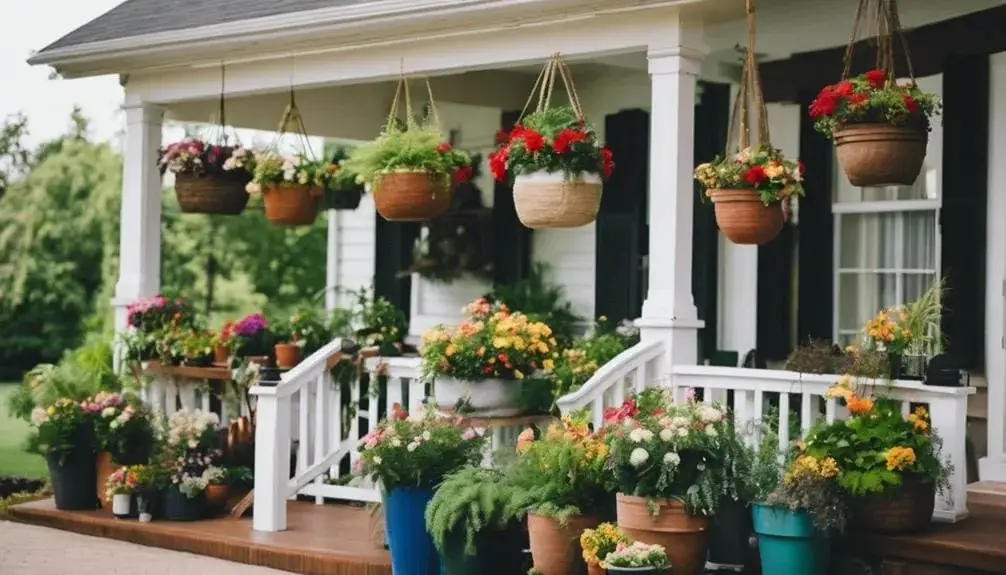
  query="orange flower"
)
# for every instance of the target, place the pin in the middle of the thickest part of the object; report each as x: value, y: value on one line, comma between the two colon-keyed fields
x: 859, y: 405
x: 898, y: 458
x: 524, y: 440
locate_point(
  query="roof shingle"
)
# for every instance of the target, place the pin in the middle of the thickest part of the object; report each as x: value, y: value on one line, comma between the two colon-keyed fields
x: 138, y: 17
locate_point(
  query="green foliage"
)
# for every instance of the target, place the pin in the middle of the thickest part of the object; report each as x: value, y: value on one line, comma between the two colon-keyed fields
x: 62, y: 428
x: 761, y: 168
x: 551, y: 140
x: 420, y: 148
x: 383, y: 323
x: 468, y: 502
x: 540, y: 300
x: 578, y: 363
x: 810, y: 485
x: 873, y: 97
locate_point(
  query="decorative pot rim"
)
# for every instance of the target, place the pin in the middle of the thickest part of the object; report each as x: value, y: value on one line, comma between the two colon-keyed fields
x: 554, y: 177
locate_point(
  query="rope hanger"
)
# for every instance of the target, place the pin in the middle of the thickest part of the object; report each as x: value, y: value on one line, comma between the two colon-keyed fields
x: 750, y: 89
x: 888, y: 25
x: 293, y: 122
x: 545, y: 85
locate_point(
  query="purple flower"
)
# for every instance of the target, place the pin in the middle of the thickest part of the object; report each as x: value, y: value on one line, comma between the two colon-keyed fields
x: 250, y: 325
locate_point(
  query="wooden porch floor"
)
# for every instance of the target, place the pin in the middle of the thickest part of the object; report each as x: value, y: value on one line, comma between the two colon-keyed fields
x: 321, y: 540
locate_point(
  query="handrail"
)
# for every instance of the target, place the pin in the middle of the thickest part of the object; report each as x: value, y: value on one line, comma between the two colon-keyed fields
x: 296, y: 378
x: 617, y: 368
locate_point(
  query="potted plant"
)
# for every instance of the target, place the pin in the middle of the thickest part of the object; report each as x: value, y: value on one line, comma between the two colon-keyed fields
x: 731, y: 529
x: 252, y: 336
x: 209, y: 179
x: 598, y: 543
x: 890, y: 465
x: 124, y: 432
x: 750, y: 191
x: 148, y: 318
x: 344, y: 191
x: 190, y: 451
x: 558, y: 168
x: 907, y: 334
x: 224, y: 344
x: 384, y: 325
x: 480, y: 363
x: 197, y: 348
x: 638, y: 558
x: 668, y: 468
x: 560, y: 478
x: 795, y: 515
x: 411, y: 169
x: 64, y: 435
x: 410, y: 457
x: 150, y: 481
x: 880, y: 127
x: 119, y: 489
x: 475, y: 524
x: 290, y: 186
x: 217, y: 488
x: 288, y: 350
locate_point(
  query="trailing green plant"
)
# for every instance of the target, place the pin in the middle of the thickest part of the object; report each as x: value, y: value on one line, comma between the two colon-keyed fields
x: 416, y: 148
x: 383, y: 323
x: 540, y: 300
x: 471, y: 501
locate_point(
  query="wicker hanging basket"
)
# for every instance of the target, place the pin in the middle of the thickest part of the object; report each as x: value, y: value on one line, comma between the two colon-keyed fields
x: 291, y: 204
x: 880, y: 154
x: 211, y: 194
x: 412, y: 196
x: 546, y: 200
x: 744, y: 219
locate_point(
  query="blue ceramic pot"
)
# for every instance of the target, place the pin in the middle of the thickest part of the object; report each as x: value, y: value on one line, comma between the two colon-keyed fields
x: 788, y: 542
x: 411, y: 547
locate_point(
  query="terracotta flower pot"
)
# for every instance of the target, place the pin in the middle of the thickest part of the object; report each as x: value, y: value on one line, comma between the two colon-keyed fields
x: 904, y: 509
x: 221, y: 355
x: 881, y: 154
x: 555, y: 550
x: 595, y: 569
x: 106, y: 466
x: 744, y: 219
x: 287, y: 355
x: 411, y: 196
x: 216, y: 497
x: 291, y: 204
x: 684, y: 536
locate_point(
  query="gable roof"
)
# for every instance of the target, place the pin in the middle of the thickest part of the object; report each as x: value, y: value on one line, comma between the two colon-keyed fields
x: 138, y: 17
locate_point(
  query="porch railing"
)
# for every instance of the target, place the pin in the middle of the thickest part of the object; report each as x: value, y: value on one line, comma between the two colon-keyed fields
x: 306, y: 428
x: 166, y: 390
x: 799, y: 399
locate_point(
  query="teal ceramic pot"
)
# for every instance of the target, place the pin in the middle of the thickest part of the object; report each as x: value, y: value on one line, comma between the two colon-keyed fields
x: 788, y: 542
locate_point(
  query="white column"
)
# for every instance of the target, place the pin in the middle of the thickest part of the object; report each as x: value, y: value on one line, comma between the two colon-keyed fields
x: 669, y: 312
x: 738, y: 291
x: 272, y: 460
x: 140, y: 216
x: 332, y: 261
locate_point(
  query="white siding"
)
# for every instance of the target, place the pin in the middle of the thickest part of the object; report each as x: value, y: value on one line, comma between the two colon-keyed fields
x: 355, y: 249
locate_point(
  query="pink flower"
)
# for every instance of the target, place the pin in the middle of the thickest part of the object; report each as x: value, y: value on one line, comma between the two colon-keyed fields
x: 468, y: 435
x: 690, y: 394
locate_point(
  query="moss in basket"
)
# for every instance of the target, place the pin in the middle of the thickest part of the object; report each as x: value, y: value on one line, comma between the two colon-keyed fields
x: 469, y: 502
x: 420, y: 148
x: 551, y: 140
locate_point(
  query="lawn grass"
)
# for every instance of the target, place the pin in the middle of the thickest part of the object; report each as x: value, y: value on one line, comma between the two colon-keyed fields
x: 13, y: 459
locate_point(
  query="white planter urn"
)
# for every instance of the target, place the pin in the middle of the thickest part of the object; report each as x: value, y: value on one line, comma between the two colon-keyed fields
x: 121, y: 504
x: 487, y: 398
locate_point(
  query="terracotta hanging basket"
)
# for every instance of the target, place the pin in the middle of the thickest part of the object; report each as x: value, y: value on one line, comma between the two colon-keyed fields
x: 546, y: 200
x: 685, y: 537
x: 411, y: 196
x: 211, y: 194
x: 744, y: 219
x: 904, y: 509
x: 881, y: 154
x: 291, y: 204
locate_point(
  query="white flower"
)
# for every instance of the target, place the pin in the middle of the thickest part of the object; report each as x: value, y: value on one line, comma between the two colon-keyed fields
x: 412, y: 446
x: 709, y: 414
x: 377, y: 460
x: 711, y: 431
x: 679, y: 421
x: 114, y: 425
x: 671, y: 458
x: 683, y: 432
x: 427, y: 435
x: 638, y: 457
x: 395, y: 442
x: 640, y: 434
x: 666, y: 434
x: 108, y: 412
x: 39, y: 416
x: 193, y: 444
x: 253, y: 188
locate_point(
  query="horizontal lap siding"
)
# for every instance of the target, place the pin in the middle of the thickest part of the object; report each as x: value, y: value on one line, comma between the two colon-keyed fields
x: 356, y: 249
x: 570, y: 253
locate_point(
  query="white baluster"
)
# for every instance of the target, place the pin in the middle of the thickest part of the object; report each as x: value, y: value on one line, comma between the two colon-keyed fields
x: 829, y: 410
x: 759, y: 408
x: 354, y: 421
x: 272, y: 459
x: 417, y: 393
x: 335, y: 403
x: 744, y: 414
x: 640, y: 377
x: 303, y: 431
x: 186, y: 392
x: 597, y: 412
x: 948, y: 415
x: 618, y: 392
x: 204, y: 398
x: 906, y: 408
x: 170, y: 396
x: 394, y: 393
x: 321, y: 417
x: 156, y: 392
x: 784, y: 422
x: 806, y: 413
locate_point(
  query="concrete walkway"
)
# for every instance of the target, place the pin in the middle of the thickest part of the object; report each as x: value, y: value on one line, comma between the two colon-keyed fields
x: 30, y: 550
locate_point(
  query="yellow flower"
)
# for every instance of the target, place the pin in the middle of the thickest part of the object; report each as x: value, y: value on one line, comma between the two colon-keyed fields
x: 774, y: 170
x: 518, y: 343
x: 517, y: 374
x: 501, y: 342
x: 51, y: 411
x: 899, y: 458
x: 451, y: 350
x: 481, y: 351
x: 829, y: 468
x: 548, y: 364
x: 859, y: 405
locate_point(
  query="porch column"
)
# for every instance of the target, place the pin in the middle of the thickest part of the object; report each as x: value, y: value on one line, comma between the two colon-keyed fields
x: 332, y: 262
x: 140, y: 216
x: 669, y: 312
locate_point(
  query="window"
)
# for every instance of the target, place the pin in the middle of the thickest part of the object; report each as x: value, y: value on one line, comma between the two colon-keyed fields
x: 887, y: 240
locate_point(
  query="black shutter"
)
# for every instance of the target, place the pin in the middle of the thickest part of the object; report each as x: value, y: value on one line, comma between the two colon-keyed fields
x: 775, y: 292
x: 815, y: 234
x: 965, y: 192
x: 621, y: 233
x: 712, y: 116
x: 393, y: 254
x: 511, y: 240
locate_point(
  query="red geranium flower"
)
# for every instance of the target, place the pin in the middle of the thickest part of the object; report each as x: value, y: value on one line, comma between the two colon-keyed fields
x: 566, y: 138
x: 911, y: 104
x: 857, y: 99
x: 843, y: 88
x: 462, y: 175
x: 607, y: 164
x: 502, y: 136
x: 755, y: 175
x: 497, y: 163
x: 876, y: 79
x: 444, y: 147
x: 826, y: 103
x: 533, y: 141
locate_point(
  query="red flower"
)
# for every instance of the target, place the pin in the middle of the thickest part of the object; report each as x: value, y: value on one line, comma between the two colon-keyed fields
x: 398, y: 413
x: 755, y: 175
x: 826, y: 103
x: 566, y: 138
x: 843, y: 88
x: 502, y: 137
x: 497, y: 163
x: 444, y: 147
x: 799, y: 167
x: 462, y: 175
x: 911, y: 104
x: 876, y: 79
x: 858, y: 98
x: 607, y: 165
x: 619, y: 414
x: 533, y: 141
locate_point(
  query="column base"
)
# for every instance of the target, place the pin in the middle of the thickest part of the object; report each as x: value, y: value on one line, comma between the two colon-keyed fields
x: 680, y: 336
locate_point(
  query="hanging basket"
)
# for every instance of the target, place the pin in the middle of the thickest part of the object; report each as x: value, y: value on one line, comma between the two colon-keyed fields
x: 744, y: 219
x: 345, y: 199
x: 881, y: 154
x: 291, y: 204
x: 211, y: 194
x: 549, y: 200
x: 411, y: 196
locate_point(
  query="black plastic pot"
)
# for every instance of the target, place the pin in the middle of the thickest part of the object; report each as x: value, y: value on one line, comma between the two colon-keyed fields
x: 74, y: 478
x: 178, y: 507
x: 497, y: 552
x: 348, y: 199
x: 907, y: 367
x: 730, y: 535
x: 154, y: 503
x: 136, y: 452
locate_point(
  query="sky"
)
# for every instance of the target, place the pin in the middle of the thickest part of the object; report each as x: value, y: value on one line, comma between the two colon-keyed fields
x: 47, y: 103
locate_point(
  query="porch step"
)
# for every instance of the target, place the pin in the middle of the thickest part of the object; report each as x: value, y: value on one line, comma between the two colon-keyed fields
x: 989, y: 495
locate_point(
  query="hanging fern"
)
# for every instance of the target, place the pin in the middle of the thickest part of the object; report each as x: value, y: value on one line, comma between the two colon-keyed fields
x: 469, y: 502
